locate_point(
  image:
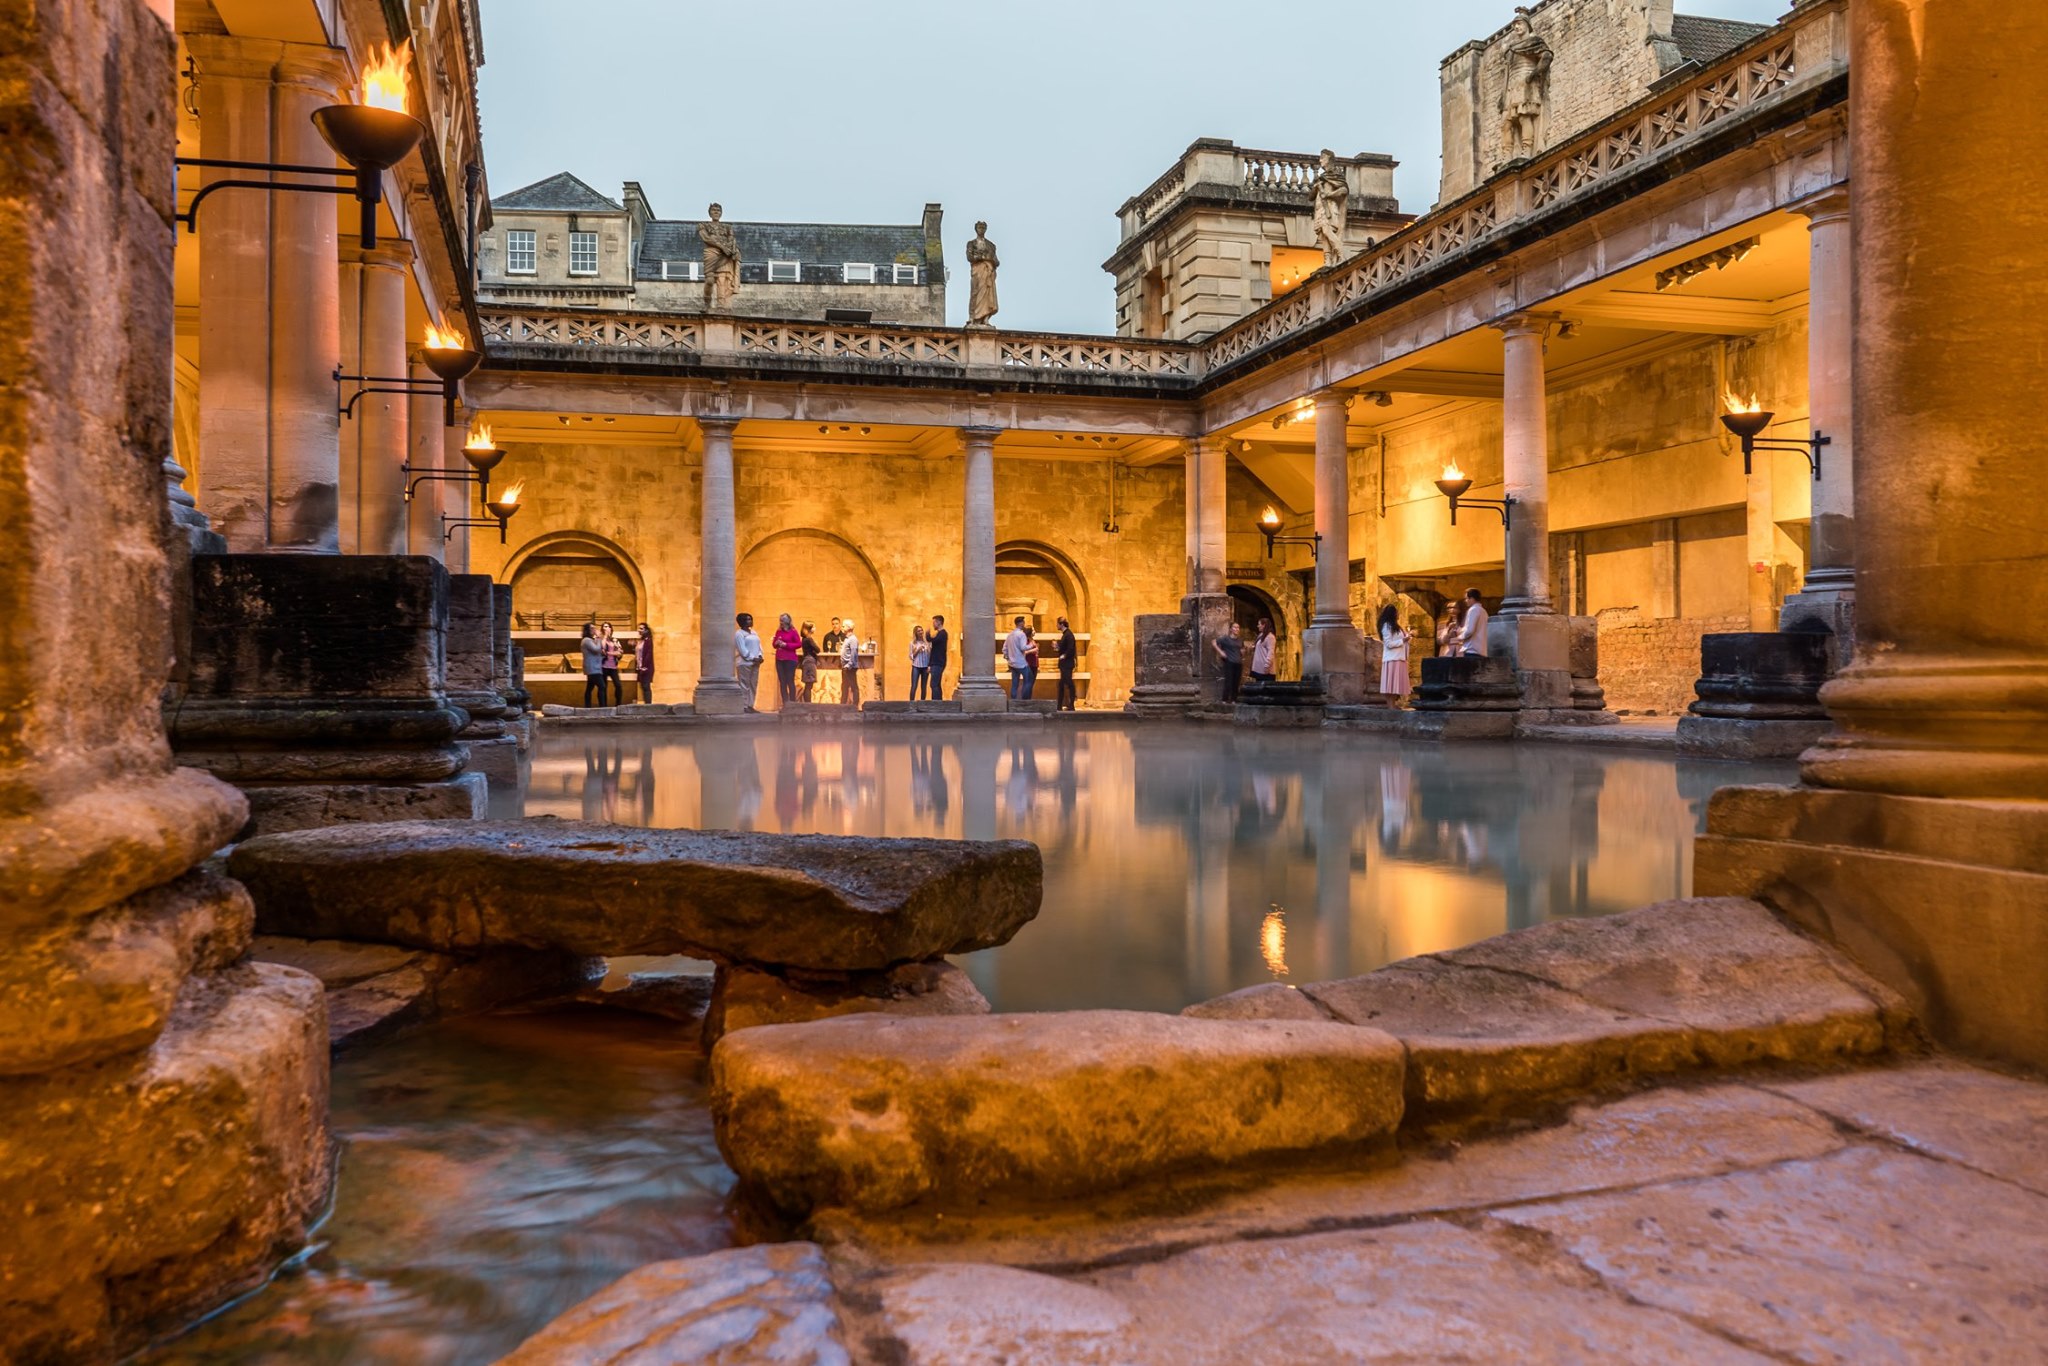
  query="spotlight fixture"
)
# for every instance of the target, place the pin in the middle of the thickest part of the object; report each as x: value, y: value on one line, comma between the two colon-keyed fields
x: 1300, y: 412
x: 1269, y: 527
x: 1453, y: 486
x: 1747, y: 420
x: 1720, y: 259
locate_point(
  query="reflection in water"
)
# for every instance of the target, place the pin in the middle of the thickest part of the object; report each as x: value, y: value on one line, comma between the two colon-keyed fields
x: 1171, y: 851
x: 494, y: 1172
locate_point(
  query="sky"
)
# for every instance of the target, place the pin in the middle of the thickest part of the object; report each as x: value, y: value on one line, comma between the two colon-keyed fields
x: 1040, y: 117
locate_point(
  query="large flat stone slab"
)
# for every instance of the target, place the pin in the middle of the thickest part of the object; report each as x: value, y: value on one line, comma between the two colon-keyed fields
x: 875, y: 1112
x: 1543, y: 1012
x: 825, y: 903
x: 767, y: 1304
x: 744, y: 997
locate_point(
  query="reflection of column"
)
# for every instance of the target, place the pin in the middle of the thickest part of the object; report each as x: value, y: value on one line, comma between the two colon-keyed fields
x: 718, y: 687
x: 425, y: 443
x: 1339, y: 808
x: 978, y: 751
x: 978, y: 689
x: 1525, y: 465
x: 373, y: 440
x: 269, y: 325
x: 1830, y: 585
x: 1206, y: 459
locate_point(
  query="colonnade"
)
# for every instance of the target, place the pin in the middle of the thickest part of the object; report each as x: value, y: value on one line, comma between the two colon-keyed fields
x: 284, y: 300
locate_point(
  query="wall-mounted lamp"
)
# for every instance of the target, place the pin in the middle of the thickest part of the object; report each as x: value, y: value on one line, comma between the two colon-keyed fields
x: 372, y: 136
x: 501, y: 509
x: 1380, y: 397
x: 1269, y: 527
x: 445, y: 353
x: 1748, y: 419
x: 1300, y: 412
x: 480, y: 451
x: 1453, y: 486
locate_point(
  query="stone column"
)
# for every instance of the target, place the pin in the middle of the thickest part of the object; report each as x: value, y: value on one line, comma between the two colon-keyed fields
x: 1828, y: 596
x: 718, y: 685
x: 426, y: 444
x: 1525, y: 465
x: 374, y: 438
x: 1332, y: 651
x: 1206, y: 461
x: 1917, y: 840
x: 453, y: 499
x: 978, y: 689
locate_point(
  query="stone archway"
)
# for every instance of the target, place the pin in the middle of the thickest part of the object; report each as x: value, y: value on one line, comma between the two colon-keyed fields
x: 1040, y: 584
x: 570, y: 577
x: 814, y: 576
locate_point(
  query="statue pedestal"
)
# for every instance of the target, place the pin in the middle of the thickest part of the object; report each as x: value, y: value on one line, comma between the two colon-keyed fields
x: 1758, y: 695
x: 1163, y: 680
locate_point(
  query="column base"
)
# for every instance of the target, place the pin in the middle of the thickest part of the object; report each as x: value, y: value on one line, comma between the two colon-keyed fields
x: 304, y: 806
x: 1339, y: 658
x: 720, y: 697
x: 1831, y: 610
x: 1939, y: 898
x: 980, y: 695
x: 1210, y: 615
x: 1163, y: 699
x: 1736, y: 737
x: 1538, y: 647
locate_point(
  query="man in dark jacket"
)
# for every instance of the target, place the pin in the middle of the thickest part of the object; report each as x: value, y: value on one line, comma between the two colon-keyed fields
x: 1066, y: 652
x: 938, y: 658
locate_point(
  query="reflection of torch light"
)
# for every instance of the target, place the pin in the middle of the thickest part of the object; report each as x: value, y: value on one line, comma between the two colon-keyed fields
x: 1273, y: 941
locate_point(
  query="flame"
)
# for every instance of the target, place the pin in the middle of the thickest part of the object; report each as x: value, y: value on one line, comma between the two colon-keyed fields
x: 438, y: 340
x: 479, y: 438
x: 1736, y: 405
x: 1273, y: 941
x: 1270, y: 517
x: 1452, y: 474
x: 511, y: 495
x: 384, y: 79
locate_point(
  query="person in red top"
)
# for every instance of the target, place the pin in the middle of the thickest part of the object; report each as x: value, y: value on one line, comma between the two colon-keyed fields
x: 789, y: 649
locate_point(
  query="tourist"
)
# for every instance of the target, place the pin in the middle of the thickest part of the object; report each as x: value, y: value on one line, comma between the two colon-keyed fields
x: 1394, y: 639
x: 643, y: 662
x: 1068, y: 653
x: 1263, y: 648
x: 1472, y: 634
x: 789, y: 649
x: 1447, y: 631
x: 1229, y: 648
x: 746, y: 651
x: 1013, y: 655
x: 613, y: 652
x: 593, y: 664
x: 849, y: 667
x: 920, y: 663
x: 938, y: 674
x: 833, y: 635
x: 807, y: 661
x: 1030, y: 662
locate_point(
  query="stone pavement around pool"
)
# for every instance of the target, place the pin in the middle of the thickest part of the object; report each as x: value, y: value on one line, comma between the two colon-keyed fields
x: 1896, y: 1213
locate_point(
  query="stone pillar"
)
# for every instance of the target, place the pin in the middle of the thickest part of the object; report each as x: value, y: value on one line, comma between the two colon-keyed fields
x: 163, y: 1102
x: 453, y: 498
x: 978, y: 689
x: 1919, y: 839
x: 1827, y: 599
x: 1525, y: 465
x: 1206, y: 603
x: 1332, y: 651
x: 269, y: 315
x: 1760, y: 546
x: 718, y: 685
x: 374, y: 439
x: 426, y: 444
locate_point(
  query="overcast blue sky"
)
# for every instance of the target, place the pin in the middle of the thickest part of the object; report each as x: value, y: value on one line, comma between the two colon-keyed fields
x: 1041, y: 117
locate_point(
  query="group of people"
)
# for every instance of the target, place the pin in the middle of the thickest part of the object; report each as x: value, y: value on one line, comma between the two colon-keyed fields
x: 603, y: 653
x: 800, y: 654
x: 1020, y: 652
x: 1229, y: 648
x: 1463, y: 633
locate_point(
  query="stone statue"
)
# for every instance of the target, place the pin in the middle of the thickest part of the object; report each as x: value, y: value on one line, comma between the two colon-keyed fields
x: 1526, y: 90
x: 721, y: 262
x: 1333, y: 203
x: 981, y: 287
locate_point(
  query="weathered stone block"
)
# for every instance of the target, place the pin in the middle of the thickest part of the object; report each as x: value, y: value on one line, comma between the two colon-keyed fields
x: 743, y: 997
x: 306, y: 806
x: 822, y: 902
x: 875, y: 1112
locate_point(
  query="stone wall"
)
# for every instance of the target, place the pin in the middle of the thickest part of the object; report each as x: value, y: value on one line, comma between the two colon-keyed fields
x: 163, y: 1103
x: 1648, y: 665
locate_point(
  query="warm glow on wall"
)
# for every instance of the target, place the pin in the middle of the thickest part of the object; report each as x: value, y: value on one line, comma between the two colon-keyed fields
x: 384, y: 79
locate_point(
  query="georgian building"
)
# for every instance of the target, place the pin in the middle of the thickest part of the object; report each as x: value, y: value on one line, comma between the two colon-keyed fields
x: 560, y: 243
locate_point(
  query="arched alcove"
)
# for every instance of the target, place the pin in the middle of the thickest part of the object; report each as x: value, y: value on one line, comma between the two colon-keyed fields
x: 1039, y: 583
x: 814, y: 575
x: 1248, y: 604
x: 570, y: 577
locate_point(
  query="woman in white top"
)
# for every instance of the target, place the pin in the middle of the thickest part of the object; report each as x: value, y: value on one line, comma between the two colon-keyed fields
x: 1394, y: 640
x: 920, y: 664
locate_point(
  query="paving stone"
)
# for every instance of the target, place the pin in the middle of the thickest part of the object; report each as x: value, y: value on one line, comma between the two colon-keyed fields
x: 874, y: 1112
x: 1266, y: 1001
x: 1994, y: 1123
x: 821, y: 902
x: 771, y: 1304
x: 1868, y: 1254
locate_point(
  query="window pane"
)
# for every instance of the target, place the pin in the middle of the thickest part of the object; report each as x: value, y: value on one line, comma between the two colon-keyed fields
x: 583, y: 253
x: 519, y: 251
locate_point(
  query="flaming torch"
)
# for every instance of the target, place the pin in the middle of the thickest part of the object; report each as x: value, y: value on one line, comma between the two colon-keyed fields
x: 448, y: 355
x: 375, y: 133
x: 1747, y: 421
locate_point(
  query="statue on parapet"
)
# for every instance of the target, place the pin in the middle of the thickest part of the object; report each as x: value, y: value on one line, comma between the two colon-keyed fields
x: 981, y: 285
x: 1333, y: 205
x: 1526, y: 89
x: 721, y: 262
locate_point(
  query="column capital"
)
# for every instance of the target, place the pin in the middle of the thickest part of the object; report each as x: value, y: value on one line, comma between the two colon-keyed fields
x: 1525, y: 324
x: 322, y: 70
x: 1827, y: 206
x: 1332, y: 396
x: 389, y: 253
x: 980, y: 433
x: 722, y: 423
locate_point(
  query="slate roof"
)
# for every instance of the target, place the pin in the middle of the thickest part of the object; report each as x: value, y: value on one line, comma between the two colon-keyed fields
x: 561, y: 193
x: 1704, y: 40
x: 820, y: 248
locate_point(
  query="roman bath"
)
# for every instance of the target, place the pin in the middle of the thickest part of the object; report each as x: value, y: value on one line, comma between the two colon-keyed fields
x: 1463, y: 780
